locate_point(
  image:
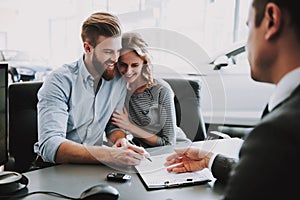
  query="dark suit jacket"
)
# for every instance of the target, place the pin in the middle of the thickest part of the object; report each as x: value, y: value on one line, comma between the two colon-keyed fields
x: 268, y: 165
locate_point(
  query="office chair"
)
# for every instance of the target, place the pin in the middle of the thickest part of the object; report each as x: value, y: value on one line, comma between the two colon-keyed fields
x: 22, y: 99
x: 187, y: 105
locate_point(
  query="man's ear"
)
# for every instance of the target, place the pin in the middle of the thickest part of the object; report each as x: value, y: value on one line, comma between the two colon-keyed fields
x: 86, y: 47
x: 273, y: 16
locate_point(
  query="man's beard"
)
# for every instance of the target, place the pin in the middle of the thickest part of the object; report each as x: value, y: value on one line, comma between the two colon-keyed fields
x: 109, y: 74
x: 105, y: 73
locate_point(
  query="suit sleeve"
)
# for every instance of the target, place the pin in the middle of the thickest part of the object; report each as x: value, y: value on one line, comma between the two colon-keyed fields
x: 267, y: 167
x: 222, y: 167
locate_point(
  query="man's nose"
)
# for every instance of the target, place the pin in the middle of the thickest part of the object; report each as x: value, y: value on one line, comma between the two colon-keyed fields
x: 114, y: 57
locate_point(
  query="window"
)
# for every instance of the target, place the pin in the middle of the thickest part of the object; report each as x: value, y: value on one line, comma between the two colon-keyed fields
x: 53, y: 29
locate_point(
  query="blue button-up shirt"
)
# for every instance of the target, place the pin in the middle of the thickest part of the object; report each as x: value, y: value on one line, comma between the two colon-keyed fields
x: 69, y: 108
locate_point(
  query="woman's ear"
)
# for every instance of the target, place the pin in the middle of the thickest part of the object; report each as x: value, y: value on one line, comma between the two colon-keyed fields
x: 273, y: 16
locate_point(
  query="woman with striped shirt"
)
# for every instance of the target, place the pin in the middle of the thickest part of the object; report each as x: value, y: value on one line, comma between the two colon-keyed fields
x: 149, y: 112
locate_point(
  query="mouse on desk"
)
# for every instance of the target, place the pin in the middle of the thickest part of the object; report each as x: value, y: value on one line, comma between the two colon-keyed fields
x: 100, y: 191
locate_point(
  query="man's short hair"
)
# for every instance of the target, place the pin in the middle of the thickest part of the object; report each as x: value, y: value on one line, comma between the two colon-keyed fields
x: 291, y: 7
x: 100, y: 23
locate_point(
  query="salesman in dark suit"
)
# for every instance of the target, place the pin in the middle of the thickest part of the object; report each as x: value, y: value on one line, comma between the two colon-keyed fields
x: 267, y: 167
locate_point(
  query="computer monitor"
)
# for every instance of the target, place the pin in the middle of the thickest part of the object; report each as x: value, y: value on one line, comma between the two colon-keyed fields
x: 3, y: 113
x: 10, y: 181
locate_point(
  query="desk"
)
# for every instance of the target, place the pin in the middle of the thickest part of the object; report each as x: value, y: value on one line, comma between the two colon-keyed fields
x: 72, y: 179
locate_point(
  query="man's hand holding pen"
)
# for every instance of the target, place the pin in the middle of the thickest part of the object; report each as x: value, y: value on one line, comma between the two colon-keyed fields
x: 147, y: 155
x: 128, y: 144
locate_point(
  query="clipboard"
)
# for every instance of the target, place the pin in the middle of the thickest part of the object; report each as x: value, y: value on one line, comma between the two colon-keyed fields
x: 154, y: 175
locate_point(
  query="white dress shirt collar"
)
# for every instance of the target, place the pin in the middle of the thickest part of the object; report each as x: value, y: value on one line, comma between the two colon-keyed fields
x: 284, y: 88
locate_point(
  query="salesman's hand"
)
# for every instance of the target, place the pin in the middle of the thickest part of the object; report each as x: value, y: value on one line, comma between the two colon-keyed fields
x: 188, y: 160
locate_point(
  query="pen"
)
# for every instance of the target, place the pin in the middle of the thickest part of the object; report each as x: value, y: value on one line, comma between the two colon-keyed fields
x: 149, y: 159
x: 131, y: 142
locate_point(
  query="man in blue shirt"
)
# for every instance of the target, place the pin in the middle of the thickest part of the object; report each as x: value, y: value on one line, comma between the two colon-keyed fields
x: 76, y: 102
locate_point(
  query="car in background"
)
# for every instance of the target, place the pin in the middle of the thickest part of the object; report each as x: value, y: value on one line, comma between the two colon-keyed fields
x: 245, y: 98
x: 229, y: 96
x: 24, y: 66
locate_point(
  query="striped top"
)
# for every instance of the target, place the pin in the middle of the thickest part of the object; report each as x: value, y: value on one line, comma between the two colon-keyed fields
x: 154, y: 111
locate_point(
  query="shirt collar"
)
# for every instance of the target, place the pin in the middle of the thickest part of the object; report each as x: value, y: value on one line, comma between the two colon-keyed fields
x: 86, y: 76
x: 284, y: 88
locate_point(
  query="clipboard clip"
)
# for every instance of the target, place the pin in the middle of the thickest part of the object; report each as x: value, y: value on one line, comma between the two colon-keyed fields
x: 168, y: 184
x: 189, y: 181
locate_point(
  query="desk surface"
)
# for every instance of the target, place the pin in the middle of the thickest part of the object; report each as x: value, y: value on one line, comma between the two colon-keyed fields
x: 72, y: 179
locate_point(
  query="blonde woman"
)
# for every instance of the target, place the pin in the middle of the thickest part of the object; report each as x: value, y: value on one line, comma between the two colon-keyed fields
x: 149, y: 111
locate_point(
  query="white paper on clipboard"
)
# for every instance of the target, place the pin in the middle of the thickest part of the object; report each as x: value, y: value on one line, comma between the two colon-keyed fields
x: 155, y: 175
